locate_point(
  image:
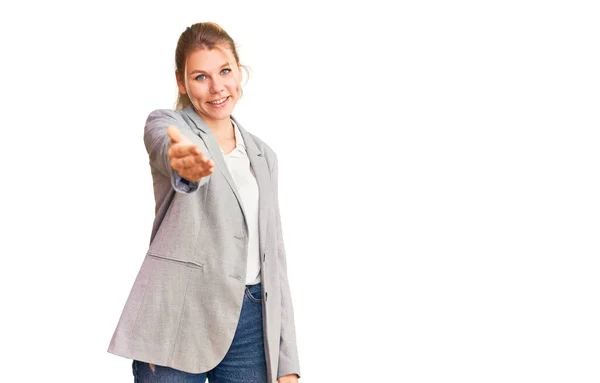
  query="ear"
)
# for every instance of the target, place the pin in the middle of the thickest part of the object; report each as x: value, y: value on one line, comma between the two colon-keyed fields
x: 180, y: 83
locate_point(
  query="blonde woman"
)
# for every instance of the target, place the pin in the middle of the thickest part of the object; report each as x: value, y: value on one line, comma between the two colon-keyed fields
x: 211, y: 299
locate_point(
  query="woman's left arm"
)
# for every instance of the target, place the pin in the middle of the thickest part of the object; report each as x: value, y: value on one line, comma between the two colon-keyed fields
x: 289, y: 366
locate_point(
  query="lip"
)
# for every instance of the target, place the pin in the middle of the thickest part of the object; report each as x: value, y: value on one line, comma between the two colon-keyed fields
x: 221, y: 104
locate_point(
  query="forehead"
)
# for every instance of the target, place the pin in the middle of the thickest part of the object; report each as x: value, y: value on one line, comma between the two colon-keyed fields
x: 209, y: 59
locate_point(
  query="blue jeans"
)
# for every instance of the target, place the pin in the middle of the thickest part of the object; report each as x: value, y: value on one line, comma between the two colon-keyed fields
x: 244, y: 362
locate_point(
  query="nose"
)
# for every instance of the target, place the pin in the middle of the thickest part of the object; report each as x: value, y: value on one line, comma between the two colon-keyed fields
x: 216, y: 86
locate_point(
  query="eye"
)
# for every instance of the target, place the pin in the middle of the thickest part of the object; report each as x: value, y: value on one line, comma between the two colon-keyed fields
x: 225, y: 71
x: 200, y: 77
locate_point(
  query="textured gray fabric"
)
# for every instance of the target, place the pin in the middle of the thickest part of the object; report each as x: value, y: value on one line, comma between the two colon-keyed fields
x: 184, y: 305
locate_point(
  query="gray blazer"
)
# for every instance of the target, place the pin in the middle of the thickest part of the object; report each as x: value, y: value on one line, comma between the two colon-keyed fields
x: 183, y: 308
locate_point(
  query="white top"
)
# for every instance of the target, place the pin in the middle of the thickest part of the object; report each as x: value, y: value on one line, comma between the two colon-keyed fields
x: 238, y: 164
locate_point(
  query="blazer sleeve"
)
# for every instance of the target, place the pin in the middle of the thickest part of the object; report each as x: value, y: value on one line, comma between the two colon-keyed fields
x: 288, y: 350
x: 157, y: 143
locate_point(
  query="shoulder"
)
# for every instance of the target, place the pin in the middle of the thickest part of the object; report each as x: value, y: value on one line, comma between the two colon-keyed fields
x: 165, y: 115
x: 159, y: 120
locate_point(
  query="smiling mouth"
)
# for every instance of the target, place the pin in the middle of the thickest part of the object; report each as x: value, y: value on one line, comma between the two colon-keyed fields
x: 219, y: 101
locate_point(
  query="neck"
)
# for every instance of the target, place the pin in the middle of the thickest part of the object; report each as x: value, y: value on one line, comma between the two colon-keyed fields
x: 222, y: 128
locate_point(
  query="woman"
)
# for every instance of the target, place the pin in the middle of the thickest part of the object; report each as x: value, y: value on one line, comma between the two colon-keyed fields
x: 211, y: 299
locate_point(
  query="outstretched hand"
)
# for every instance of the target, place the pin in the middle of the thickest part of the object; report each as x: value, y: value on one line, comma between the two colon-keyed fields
x: 186, y: 158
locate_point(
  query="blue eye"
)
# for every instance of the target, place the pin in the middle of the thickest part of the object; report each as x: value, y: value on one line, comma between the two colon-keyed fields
x: 226, y: 69
x: 199, y: 77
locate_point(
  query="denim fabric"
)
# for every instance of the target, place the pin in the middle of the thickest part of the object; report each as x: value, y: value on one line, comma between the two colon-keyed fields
x: 244, y: 362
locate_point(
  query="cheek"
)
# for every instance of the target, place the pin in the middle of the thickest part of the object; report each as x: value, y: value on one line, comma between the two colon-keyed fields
x: 236, y: 88
x: 198, y: 91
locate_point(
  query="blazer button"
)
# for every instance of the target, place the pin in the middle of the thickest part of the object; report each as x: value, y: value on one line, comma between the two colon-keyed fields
x: 266, y: 295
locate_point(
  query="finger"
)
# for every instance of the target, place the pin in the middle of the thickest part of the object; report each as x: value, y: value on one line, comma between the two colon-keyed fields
x: 192, y: 164
x: 182, y: 150
x: 205, y: 165
x: 200, y: 157
x: 204, y: 168
x: 195, y: 174
x: 203, y: 172
x: 203, y: 159
x: 183, y: 164
x: 180, y: 164
x: 188, y: 162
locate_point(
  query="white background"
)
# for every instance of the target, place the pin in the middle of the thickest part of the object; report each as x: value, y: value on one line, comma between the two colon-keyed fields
x: 439, y: 180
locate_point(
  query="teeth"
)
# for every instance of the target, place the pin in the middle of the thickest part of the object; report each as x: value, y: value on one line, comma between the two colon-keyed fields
x: 217, y: 102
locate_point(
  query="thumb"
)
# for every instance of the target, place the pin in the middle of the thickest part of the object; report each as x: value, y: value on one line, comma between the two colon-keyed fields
x: 175, y: 135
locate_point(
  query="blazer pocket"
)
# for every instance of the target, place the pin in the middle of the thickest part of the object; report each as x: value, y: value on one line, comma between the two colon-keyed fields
x: 185, y: 262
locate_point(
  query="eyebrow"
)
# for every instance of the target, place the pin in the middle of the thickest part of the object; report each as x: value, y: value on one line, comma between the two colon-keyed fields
x: 201, y: 71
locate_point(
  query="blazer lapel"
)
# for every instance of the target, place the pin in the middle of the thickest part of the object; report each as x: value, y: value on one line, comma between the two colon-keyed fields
x: 215, y: 151
x: 258, y: 163
x: 263, y: 179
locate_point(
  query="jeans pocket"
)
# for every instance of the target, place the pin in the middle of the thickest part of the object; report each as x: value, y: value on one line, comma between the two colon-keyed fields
x: 254, y: 294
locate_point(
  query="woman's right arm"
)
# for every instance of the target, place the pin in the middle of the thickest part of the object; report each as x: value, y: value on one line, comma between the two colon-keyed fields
x: 173, y: 154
